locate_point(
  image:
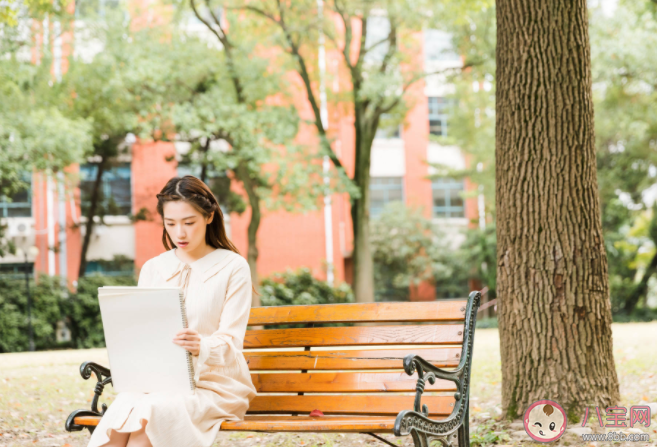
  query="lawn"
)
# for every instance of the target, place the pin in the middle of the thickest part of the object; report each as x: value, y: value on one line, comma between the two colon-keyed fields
x: 39, y: 390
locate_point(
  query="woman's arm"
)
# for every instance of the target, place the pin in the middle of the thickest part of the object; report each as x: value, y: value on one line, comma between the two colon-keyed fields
x: 221, y: 347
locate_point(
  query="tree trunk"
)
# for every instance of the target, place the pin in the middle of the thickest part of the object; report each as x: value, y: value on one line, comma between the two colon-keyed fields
x: 641, y: 289
x: 554, y: 312
x: 360, y: 216
x: 204, y: 162
x: 91, y: 213
x: 254, y: 224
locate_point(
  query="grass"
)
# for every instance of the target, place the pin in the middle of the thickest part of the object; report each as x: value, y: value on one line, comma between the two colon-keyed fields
x: 39, y: 390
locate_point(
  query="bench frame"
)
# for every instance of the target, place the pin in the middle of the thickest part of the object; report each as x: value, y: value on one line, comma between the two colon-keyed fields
x: 416, y: 422
x: 456, y: 427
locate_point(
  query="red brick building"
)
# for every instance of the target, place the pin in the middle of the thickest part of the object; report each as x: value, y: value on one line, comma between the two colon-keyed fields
x: 48, y: 214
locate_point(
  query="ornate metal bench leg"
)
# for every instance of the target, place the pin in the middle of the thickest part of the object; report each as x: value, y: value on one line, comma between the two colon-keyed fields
x: 464, y: 430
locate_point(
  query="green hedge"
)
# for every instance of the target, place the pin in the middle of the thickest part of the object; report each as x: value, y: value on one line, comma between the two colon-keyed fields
x: 300, y: 287
x: 52, y: 302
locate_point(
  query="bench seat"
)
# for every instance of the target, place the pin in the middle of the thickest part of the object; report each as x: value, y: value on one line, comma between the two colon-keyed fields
x: 380, y: 371
x: 325, y: 424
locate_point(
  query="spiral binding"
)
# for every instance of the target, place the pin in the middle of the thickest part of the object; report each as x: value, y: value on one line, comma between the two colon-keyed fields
x: 190, y: 365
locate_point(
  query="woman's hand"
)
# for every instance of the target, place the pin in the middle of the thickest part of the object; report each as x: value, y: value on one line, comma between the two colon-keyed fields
x: 189, y: 339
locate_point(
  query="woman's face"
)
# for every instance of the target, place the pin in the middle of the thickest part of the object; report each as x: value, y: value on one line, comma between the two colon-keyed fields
x: 186, y: 225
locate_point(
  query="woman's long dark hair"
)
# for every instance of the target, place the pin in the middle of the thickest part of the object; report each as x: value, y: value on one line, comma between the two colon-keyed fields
x: 196, y: 193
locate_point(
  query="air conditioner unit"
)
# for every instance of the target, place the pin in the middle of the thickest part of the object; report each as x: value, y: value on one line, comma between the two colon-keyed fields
x: 17, y: 227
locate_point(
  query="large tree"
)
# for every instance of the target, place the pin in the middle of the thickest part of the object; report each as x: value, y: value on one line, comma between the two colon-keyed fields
x: 34, y: 135
x: 114, y: 86
x: 553, y: 287
x: 228, y: 100
x: 377, y: 44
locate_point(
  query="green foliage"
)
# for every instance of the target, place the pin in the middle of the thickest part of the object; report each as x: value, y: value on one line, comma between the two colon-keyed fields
x: 83, y: 311
x: 215, y: 96
x: 12, y: 11
x: 117, y: 87
x: 485, y: 435
x: 641, y: 314
x: 47, y: 297
x: 487, y: 323
x: 625, y: 98
x: 407, y: 250
x: 479, y: 253
x: 472, y: 117
x: 52, y: 302
x: 302, y: 288
x: 34, y: 134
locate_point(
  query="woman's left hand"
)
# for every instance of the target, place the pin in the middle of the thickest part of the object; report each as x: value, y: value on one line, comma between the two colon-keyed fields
x: 189, y: 339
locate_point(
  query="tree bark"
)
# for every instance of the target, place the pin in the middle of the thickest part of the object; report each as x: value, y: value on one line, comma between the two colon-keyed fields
x: 254, y: 225
x: 360, y: 213
x: 553, y: 288
x: 91, y: 213
x: 204, y: 163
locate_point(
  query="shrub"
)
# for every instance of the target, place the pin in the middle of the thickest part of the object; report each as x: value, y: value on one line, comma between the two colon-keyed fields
x: 52, y: 302
x: 408, y: 249
x: 83, y: 310
x: 300, y: 287
x: 46, y: 298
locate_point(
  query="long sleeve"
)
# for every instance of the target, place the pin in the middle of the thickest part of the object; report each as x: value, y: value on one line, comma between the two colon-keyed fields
x: 222, y: 347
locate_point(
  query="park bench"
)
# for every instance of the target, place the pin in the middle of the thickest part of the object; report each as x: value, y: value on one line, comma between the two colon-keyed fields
x: 361, y: 375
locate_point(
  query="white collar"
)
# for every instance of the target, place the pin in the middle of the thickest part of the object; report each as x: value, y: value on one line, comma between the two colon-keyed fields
x: 209, y: 265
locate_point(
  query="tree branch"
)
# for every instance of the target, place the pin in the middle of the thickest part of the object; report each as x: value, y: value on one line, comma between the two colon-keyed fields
x: 205, y: 22
x: 392, y: 47
x: 348, y: 35
x: 294, y: 50
x: 225, y: 41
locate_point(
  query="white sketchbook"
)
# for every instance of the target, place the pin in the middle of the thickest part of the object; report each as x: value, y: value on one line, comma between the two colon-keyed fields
x: 140, y: 324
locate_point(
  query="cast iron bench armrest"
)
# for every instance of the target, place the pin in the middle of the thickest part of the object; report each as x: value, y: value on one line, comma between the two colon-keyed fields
x: 103, y: 377
x: 416, y: 422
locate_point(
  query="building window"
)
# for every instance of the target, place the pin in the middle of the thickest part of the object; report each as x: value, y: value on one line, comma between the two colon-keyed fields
x: 384, y: 190
x: 447, y: 200
x: 438, y: 112
x: 115, y: 190
x: 16, y: 270
x: 20, y: 204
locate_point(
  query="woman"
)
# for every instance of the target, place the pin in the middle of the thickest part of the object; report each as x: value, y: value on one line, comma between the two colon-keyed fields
x: 216, y: 282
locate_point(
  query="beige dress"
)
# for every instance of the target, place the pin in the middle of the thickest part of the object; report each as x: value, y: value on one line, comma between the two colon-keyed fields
x: 218, y: 300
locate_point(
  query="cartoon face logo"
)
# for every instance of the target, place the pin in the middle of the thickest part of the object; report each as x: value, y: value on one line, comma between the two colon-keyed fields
x: 545, y: 421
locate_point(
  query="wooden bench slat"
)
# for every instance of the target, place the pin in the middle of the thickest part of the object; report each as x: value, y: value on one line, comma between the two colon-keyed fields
x: 333, y: 424
x: 371, y: 405
x: 347, y: 360
x: 434, y: 334
x: 359, y: 382
x: 360, y: 312
x: 336, y: 424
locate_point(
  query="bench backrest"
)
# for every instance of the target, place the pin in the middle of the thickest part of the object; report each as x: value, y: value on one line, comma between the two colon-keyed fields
x: 355, y: 369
